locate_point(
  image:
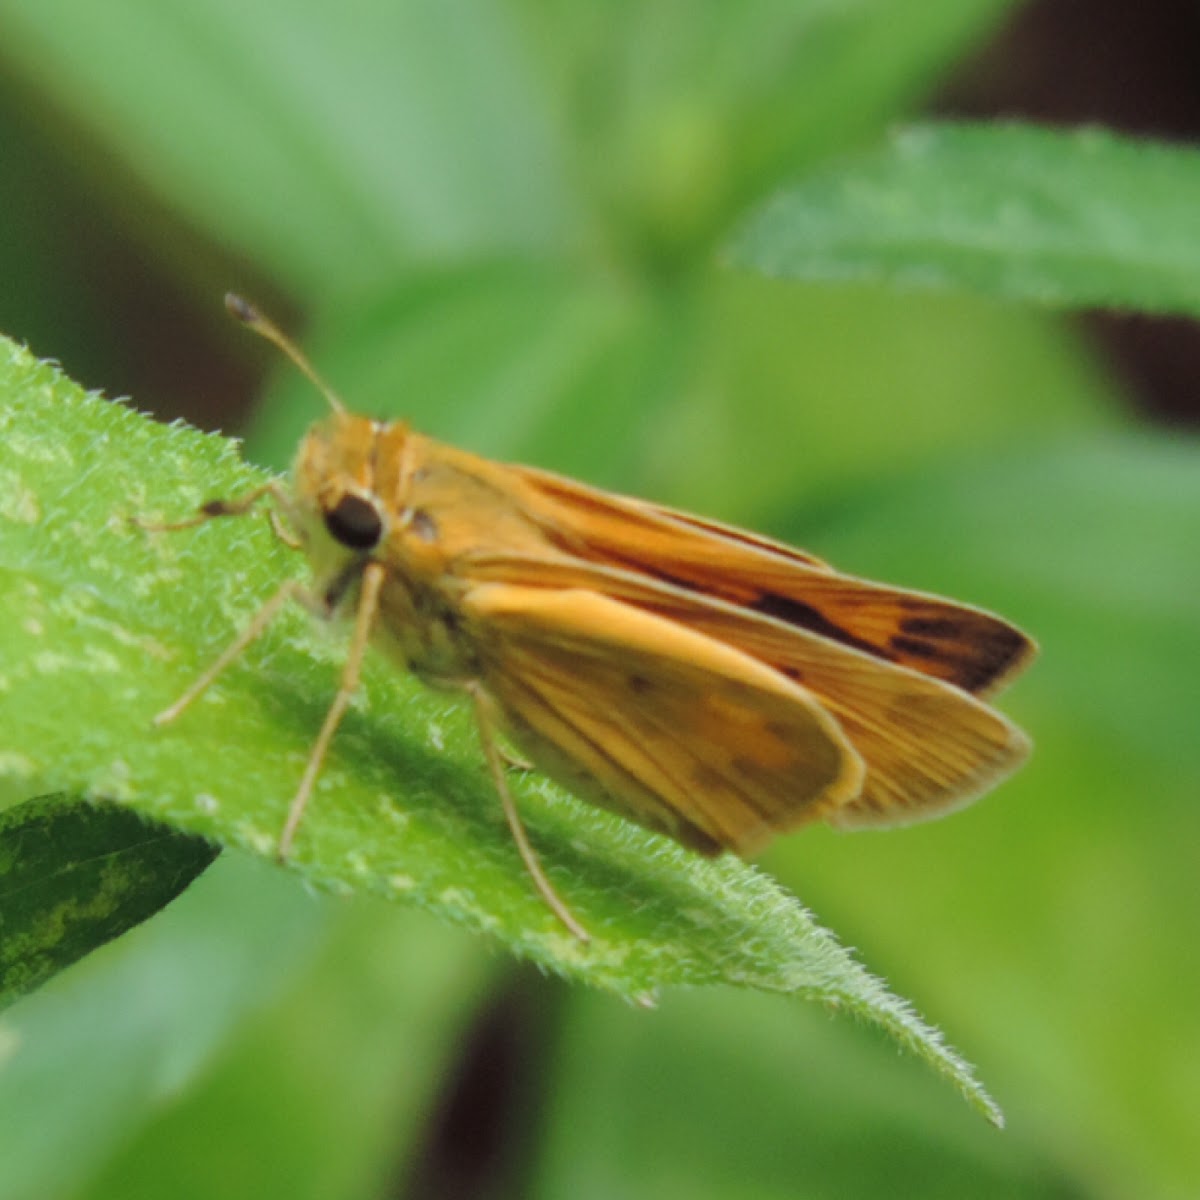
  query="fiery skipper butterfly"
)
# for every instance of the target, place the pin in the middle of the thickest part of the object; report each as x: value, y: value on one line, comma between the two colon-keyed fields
x: 701, y: 680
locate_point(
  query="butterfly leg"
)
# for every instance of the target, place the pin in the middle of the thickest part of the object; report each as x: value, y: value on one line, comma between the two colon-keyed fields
x: 211, y: 509
x: 368, y: 600
x: 495, y: 761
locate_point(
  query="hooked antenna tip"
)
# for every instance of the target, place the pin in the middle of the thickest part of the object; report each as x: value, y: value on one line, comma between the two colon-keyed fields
x: 241, y: 309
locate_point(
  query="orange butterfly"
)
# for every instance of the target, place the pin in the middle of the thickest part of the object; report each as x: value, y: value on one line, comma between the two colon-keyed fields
x: 703, y: 681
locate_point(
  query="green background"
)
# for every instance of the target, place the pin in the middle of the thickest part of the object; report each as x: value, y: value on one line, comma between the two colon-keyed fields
x: 677, y: 249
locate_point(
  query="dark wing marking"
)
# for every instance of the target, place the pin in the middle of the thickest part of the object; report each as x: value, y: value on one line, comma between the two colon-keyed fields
x: 966, y: 646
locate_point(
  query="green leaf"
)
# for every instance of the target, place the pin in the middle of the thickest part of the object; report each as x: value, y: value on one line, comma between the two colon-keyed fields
x: 122, y: 621
x: 1063, y: 219
x: 74, y: 875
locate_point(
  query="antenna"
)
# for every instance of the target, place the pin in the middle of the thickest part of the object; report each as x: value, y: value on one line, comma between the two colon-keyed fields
x: 245, y: 312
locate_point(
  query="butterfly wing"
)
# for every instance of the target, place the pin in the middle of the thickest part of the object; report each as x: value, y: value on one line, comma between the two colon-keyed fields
x: 928, y: 747
x: 968, y: 647
x: 654, y: 720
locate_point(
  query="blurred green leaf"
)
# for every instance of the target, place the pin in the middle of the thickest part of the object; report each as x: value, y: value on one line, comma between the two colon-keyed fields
x: 682, y: 111
x: 122, y: 620
x: 794, y: 394
x: 347, y: 138
x: 89, y: 1059
x: 801, y: 1105
x: 1060, y: 944
x: 355, y: 141
x: 1066, y: 219
x: 329, y: 1092
x: 75, y: 875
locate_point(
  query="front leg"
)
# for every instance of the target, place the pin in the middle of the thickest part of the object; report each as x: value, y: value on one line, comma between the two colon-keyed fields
x: 211, y: 509
x: 238, y: 506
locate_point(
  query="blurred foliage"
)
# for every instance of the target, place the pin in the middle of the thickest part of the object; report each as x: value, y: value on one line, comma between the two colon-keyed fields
x: 502, y: 220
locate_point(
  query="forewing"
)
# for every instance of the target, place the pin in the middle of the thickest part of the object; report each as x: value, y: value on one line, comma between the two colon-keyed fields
x: 968, y: 647
x: 655, y: 720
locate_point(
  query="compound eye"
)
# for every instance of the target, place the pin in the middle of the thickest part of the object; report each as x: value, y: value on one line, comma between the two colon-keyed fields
x: 355, y: 522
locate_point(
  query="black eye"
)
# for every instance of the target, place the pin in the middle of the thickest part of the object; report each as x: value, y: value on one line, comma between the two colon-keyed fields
x: 355, y: 523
